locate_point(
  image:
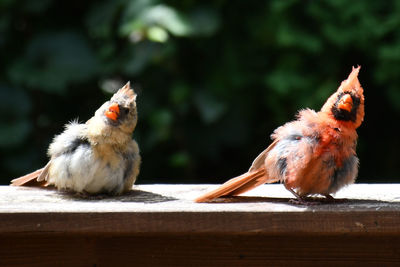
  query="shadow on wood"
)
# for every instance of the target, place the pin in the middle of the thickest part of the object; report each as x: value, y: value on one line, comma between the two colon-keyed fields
x: 160, y: 225
x: 131, y: 196
x: 254, y: 199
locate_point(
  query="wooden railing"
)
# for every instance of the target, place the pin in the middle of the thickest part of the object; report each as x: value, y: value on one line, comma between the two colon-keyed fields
x: 160, y: 225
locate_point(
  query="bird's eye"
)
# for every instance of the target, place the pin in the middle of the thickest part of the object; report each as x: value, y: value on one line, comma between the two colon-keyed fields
x: 125, y: 111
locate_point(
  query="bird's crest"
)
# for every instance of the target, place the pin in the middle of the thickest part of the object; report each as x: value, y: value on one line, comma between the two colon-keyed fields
x: 348, y: 97
x: 126, y: 93
x: 351, y: 84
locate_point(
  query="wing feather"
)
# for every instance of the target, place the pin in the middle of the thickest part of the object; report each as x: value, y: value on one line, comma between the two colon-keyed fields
x: 36, y: 178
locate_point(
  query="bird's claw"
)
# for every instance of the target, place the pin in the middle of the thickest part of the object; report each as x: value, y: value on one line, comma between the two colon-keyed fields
x: 316, y: 201
x: 304, y: 202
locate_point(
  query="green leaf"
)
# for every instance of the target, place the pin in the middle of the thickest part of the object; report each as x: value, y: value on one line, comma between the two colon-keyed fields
x: 157, y: 34
x: 132, y: 16
x: 155, y: 18
x: 168, y: 18
x: 53, y: 61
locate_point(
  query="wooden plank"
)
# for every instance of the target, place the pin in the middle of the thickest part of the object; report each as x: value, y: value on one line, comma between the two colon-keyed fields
x: 160, y: 225
x: 203, y: 250
x: 368, y: 223
x: 179, y: 198
x: 373, y: 209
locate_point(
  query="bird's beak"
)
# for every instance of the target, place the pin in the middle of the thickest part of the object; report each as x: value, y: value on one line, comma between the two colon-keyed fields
x: 346, y: 103
x: 113, y: 112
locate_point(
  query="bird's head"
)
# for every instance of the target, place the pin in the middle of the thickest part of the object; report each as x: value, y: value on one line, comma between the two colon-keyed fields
x: 347, y: 104
x: 121, y: 111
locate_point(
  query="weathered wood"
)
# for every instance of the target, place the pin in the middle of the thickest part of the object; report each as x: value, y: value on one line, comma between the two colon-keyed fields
x: 160, y: 225
x: 192, y: 250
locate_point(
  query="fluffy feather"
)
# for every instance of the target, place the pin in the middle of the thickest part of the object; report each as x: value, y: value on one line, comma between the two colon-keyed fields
x: 314, y: 154
x: 96, y: 157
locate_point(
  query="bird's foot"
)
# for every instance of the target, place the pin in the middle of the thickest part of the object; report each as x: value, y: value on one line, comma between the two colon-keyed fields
x: 301, y: 200
x: 310, y: 201
x: 305, y: 201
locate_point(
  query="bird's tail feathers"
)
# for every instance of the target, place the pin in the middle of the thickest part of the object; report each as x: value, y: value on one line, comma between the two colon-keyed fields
x: 236, y: 186
x: 29, y: 178
x: 36, y: 178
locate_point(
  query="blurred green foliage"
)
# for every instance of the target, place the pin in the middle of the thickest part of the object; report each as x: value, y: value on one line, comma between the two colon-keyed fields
x: 214, y: 78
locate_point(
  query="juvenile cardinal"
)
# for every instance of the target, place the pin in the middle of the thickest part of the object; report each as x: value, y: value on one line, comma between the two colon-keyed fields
x: 314, y: 154
x: 98, y: 157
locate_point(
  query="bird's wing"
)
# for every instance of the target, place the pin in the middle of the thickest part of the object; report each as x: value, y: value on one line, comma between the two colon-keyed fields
x: 259, y: 162
x: 36, y: 178
x: 45, y: 173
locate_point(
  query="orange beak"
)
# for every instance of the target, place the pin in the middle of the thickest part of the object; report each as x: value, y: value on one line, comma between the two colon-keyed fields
x: 112, y: 112
x: 346, y: 103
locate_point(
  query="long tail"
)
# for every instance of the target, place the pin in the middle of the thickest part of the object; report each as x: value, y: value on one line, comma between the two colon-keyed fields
x: 237, y: 185
x: 29, y: 178
x: 36, y: 178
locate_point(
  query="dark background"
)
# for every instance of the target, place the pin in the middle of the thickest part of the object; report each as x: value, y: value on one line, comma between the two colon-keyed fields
x: 214, y: 78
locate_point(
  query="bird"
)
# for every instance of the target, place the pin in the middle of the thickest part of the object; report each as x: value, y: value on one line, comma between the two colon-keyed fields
x: 315, y: 154
x: 96, y: 157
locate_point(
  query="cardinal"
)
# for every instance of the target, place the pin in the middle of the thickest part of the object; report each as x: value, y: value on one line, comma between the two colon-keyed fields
x: 312, y: 155
x: 97, y: 157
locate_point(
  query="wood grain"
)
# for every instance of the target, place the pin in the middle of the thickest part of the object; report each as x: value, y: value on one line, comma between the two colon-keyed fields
x: 160, y: 225
x: 199, y: 250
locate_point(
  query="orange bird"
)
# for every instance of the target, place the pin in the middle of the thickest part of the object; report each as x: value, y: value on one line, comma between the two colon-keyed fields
x: 314, y: 154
